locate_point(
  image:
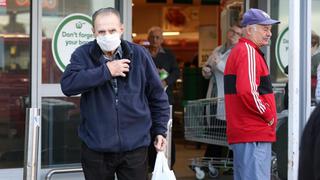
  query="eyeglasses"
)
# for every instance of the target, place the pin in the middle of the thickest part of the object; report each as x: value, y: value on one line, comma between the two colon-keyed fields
x: 235, y: 32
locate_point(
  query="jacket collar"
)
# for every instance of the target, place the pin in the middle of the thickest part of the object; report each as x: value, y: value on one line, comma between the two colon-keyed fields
x: 245, y: 40
x: 96, y: 52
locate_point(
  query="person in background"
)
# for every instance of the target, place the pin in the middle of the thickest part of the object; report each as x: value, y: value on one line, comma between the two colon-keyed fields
x: 121, y: 97
x: 249, y: 99
x: 213, y: 69
x: 315, y: 72
x: 164, y: 60
x: 309, y: 156
x: 315, y: 67
x: 168, y: 69
x: 315, y: 52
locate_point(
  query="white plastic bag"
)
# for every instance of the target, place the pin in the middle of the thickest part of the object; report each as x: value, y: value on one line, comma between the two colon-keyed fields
x: 161, y: 169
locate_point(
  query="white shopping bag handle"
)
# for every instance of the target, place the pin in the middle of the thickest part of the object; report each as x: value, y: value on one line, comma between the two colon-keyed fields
x: 161, y: 169
x: 159, y: 164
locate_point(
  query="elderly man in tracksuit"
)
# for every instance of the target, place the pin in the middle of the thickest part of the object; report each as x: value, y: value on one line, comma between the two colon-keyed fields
x: 249, y: 100
x: 122, y: 100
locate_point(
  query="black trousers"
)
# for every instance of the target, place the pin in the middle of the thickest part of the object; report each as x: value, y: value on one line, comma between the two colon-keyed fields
x: 131, y: 165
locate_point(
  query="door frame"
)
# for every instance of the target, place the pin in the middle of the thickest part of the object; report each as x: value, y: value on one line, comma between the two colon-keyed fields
x: 28, y: 169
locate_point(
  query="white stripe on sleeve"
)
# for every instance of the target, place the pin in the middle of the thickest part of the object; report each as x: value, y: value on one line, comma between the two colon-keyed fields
x: 252, y: 78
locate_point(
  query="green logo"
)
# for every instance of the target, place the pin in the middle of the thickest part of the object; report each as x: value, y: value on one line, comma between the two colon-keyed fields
x: 79, y: 25
x: 282, y: 49
x: 72, y: 32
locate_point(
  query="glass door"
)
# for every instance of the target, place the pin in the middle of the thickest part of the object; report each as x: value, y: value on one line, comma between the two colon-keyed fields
x: 14, y: 84
x: 36, y: 40
x: 65, y: 25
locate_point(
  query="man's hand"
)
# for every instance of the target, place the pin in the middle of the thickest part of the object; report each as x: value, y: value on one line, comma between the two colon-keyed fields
x: 118, y: 67
x: 206, y: 69
x: 160, y: 143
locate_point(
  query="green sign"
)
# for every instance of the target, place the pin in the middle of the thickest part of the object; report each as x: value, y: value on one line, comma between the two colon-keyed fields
x: 282, y: 49
x: 73, y: 31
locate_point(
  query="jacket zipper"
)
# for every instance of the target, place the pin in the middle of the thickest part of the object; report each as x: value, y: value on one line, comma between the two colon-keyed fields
x: 118, y: 120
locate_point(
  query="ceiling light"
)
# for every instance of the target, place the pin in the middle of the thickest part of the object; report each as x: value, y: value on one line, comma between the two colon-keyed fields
x: 171, y: 33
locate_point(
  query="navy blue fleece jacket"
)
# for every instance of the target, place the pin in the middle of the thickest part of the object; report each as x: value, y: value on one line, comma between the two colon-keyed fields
x: 122, y: 122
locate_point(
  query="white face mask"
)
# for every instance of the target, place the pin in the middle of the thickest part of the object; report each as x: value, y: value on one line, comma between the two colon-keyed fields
x: 109, y: 42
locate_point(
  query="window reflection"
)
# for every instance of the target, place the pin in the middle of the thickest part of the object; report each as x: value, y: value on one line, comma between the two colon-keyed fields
x: 13, y: 26
x: 14, y: 82
x: 60, y: 120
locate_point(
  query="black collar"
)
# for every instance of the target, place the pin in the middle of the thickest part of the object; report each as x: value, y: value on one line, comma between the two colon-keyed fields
x: 96, y: 52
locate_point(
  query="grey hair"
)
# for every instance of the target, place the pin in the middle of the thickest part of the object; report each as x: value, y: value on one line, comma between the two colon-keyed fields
x: 253, y: 26
x: 108, y: 10
x: 155, y: 28
x: 245, y: 29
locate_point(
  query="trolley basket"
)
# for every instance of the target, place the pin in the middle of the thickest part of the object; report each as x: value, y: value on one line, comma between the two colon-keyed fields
x: 204, y: 121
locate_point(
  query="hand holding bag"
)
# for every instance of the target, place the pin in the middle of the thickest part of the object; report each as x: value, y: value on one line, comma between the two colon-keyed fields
x: 161, y: 169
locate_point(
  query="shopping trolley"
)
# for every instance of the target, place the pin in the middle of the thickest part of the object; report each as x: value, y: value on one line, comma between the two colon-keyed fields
x: 203, y: 124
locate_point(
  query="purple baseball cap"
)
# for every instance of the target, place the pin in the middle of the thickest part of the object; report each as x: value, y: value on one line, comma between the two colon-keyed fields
x: 257, y: 16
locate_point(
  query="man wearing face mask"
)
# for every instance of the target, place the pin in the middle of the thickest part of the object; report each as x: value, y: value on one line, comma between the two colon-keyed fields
x: 121, y: 98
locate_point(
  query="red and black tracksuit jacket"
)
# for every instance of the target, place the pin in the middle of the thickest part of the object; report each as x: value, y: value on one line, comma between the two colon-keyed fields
x: 249, y: 99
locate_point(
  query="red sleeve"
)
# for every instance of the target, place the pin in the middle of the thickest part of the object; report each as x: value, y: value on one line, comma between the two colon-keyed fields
x: 248, y: 81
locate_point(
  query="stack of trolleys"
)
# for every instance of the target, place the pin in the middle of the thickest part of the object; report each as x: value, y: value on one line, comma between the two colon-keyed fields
x: 203, y: 124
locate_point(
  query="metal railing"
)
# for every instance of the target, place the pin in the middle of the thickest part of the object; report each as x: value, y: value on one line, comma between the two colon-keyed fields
x: 30, y: 171
x: 62, y: 171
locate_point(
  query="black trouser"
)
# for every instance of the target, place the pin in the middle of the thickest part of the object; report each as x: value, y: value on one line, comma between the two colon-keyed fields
x: 131, y: 165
